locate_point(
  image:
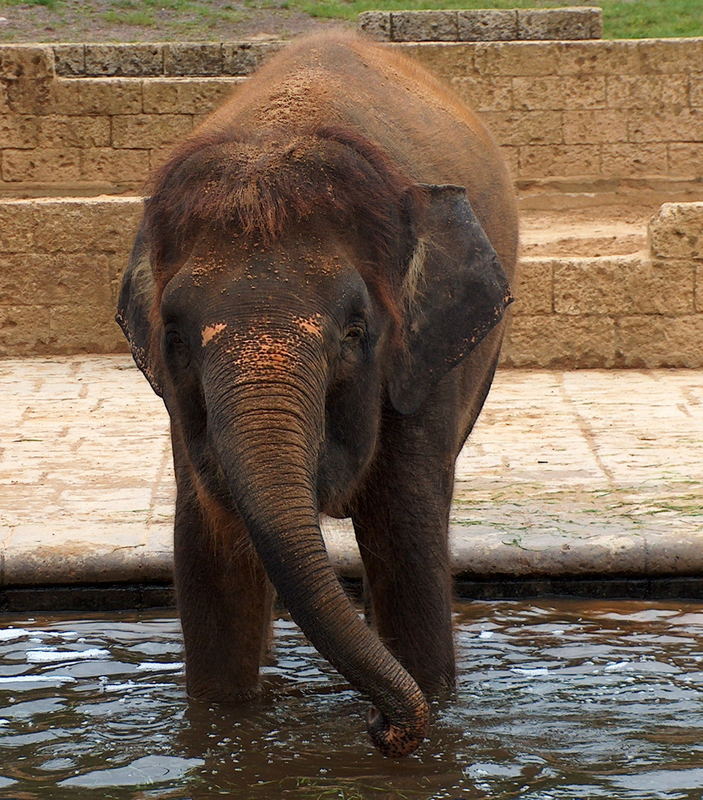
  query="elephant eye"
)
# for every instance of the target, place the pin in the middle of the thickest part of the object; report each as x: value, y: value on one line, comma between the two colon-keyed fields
x: 175, y: 348
x: 355, y: 332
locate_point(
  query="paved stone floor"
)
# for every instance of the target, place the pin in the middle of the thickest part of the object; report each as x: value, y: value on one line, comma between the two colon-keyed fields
x: 566, y: 473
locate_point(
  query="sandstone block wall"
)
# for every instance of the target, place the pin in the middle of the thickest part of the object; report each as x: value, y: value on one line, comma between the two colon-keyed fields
x: 61, y: 261
x: 485, y: 24
x: 89, y: 118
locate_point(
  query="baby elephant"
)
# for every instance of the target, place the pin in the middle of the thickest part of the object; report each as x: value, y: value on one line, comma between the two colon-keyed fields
x: 317, y: 292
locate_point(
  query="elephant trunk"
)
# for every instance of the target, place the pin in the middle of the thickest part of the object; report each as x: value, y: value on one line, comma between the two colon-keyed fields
x: 266, y: 429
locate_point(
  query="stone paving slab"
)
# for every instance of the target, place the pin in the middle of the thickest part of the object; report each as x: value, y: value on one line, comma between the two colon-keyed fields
x: 567, y: 473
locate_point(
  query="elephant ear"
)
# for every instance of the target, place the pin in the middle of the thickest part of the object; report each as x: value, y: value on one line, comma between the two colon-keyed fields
x: 134, y: 309
x: 455, y: 292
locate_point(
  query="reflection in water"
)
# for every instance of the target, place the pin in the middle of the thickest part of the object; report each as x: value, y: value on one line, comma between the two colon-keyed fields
x: 556, y: 699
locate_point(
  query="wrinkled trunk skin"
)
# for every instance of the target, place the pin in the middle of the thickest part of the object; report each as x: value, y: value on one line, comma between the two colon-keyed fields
x: 266, y: 426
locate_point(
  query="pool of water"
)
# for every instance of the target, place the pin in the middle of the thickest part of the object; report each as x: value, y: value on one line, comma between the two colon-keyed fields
x: 556, y: 699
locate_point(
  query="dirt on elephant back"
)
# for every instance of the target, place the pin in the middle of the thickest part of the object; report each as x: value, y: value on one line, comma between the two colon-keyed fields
x: 154, y: 20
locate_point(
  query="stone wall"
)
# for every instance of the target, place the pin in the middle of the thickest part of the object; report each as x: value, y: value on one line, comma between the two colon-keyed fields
x: 61, y: 261
x: 82, y: 119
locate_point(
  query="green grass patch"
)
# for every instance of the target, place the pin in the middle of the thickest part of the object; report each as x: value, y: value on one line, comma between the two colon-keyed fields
x: 140, y: 19
x: 622, y: 19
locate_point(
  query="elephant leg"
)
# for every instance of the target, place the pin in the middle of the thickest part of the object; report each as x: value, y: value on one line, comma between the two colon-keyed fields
x: 401, y: 524
x: 224, y: 599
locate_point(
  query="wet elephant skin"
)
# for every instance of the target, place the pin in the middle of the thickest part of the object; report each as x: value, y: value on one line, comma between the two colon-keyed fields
x: 317, y: 291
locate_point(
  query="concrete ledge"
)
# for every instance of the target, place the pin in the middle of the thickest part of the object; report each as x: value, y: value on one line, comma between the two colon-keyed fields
x: 483, y: 25
x: 587, y: 474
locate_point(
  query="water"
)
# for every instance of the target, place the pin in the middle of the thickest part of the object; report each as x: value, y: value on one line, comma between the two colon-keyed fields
x: 556, y: 699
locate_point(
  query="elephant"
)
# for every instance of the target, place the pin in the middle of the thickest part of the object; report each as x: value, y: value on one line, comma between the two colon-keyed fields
x: 318, y: 291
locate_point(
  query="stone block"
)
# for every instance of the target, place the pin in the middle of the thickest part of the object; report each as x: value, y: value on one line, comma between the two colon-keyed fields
x: 516, y: 58
x: 593, y: 127
x: 556, y: 92
x: 621, y: 57
x: 696, y: 90
x: 657, y: 341
x: 134, y: 60
x: 61, y: 131
x: 647, y: 91
x: 69, y: 59
x: 187, y: 95
x: 193, y: 58
x: 487, y: 25
x: 483, y: 94
x: 620, y: 285
x: 17, y: 131
x: 242, y: 58
x: 662, y: 56
x: 375, y: 24
x: 447, y: 61
x: 24, y: 330
x: 120, y: 167
x: 108, y: 96
x: 84, y: 329
x: 533, y: 290
x: 560, y: 161
x: 510, y: 156
x: 676, y: 231
x: 54, y: 278
x: 627, y: 160
x: 698, y: 298
x: 524, y: 127
x: 558, y: 341
x: 64, y: 96
x: 48, y: 165
x: 27, y: 72
x: 142, y: 131
x: 686, y: 160
x: 17, y: 221
x: 559, y: 23
x: 424, y: 26
x: 665, y: 124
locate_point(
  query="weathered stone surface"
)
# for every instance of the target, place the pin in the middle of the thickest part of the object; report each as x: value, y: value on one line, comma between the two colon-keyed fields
x: 69, y: 59
x: 626, y: 160
x: 560, y: 341
x: 23, y: 330
x: 445, y: 60
x: 17, y: 221
x: 60, y: 131
x: 645, y: 341
x: 559, y: 160
x: 620, y: 285
x: 698, y: 299
x: 591, y: 127
x: 375, y: 24
x: 484, y: 94
x: 242, y: 58
x: 49, y: 165
x: 18, y: 131
x: 193, y: 58
x: 556, y: 92
x: 666, y: 56
x: 149, y: 130
x: 676, y: 231
x: 107, y: 96
x: 668, y: 123
x: 424, y: 26
x: 696, y: 90
x: 84, y: 328
x: 55, y: 278
x: 647, y: 91
x: 487, y: 25
x: 187, y: 95
x: 115, y: 166
x: 516, y: 58
x: 123, y: 59
x: 525, y: 127
x: 686, y: 159
x: 533, y: 290
x: 559, y: 23
x: 620, y: 57
x: 27, y: 72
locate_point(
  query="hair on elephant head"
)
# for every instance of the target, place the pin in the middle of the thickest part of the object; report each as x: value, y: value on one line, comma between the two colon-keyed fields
x: 309, y: 292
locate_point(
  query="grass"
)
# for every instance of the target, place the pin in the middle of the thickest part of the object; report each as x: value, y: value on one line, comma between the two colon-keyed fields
x: 622, y: 19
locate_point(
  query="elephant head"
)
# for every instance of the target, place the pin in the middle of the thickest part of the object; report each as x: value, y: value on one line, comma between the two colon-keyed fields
x: 284, y: 295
